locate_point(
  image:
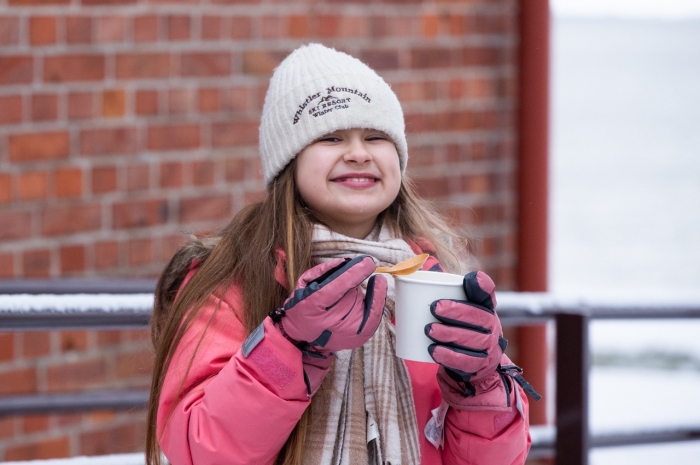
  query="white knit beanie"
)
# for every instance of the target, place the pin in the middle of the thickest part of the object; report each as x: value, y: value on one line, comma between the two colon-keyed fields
x: 317, y: 90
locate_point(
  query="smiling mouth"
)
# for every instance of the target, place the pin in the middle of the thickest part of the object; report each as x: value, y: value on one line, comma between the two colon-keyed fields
x: 355, y: 178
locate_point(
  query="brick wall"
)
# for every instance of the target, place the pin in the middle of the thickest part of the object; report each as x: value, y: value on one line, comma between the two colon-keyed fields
x: 124, y: 123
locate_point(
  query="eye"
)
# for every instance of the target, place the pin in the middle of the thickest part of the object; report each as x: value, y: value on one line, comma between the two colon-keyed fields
x: 377, y: 136
x: 328, y: 138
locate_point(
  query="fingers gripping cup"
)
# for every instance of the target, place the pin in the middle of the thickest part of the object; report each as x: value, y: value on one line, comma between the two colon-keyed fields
x: 413, y: 295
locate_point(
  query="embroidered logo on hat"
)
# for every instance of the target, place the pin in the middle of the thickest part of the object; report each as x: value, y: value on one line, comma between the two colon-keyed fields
x: 330, y: 102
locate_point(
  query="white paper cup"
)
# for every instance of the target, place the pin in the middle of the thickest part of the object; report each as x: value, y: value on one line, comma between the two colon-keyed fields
x: 413, y: 295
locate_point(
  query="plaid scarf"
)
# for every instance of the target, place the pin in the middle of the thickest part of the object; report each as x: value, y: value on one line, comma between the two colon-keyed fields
x: 364, y: 412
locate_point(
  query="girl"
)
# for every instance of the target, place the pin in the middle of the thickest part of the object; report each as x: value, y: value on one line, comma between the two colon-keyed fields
x: 273, y: 346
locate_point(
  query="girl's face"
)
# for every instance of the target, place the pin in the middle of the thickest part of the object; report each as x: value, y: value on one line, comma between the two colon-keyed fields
x: 348, y: 177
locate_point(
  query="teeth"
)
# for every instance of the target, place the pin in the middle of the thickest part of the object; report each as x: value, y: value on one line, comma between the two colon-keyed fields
x: 359, y: 179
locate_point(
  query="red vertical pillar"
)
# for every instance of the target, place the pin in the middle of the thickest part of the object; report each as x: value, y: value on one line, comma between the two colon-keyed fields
x: 533, y: 133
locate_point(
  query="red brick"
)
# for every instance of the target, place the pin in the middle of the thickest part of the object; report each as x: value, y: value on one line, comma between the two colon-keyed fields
x: 381, y: 59
x: 234, y: 133
x: 44, y: 107
x: 431, y: 24
x: 115, y: 439
x: 142, y: 65
x: 78, y: 29
x: 76, y: 375
x: 7, y: 427
x: 140, y: 252
x: 181, y: 100
x: 111, y: 29
x: 139, y: 214
x: 42, y: 30
x: 104, y: 179
x: 106, y: 256
x: 69, y: 182
x: 202, y: 64
x: 203, y: 173
x: 108, y: 2
x: 38, y: 2
x: 207, y: 208
x: 73, y: 341
x: 237, y: 99
x: 35, y: 423
x: 33, y: 185
x: 353, y: 26
x: 146, y: 28
x: 327, y: 25
x: 169, y: 245
x: 16, y: 69
x: 15, y: 225
x: 19, y: 381
x: 11, y: 106
x: 261, y: 62
x: 146, y: 102
x: 171, y: 175
x: 108, y: 337
x: 5, y: 188
x: 179, y: 27
x: 211, y: 27
x: 72, y: 259
x: 209, y: 100
x: 41, y: 449
x: 134, y: 364
x: 80, y: 105
x: 108, y: 141
x: 482, y: 56
x: 9, y: 30
x: 241, y: 27
x: 173, y: 137
x: 69, y: 68
x: 137, y: 177
x: 272, y: 27
x: 235, y: 169
x: 431, y: 57
x: 36, y: 343
x: 62, y: 220
x: 298, y: 26
x: 113, y: 103
x: 68, y: 419
x: 7, y: 340
x: 36, y: 263
x: 434, y: 187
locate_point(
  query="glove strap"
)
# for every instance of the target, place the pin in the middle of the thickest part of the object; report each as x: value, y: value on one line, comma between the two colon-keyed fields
x: 515, y: 373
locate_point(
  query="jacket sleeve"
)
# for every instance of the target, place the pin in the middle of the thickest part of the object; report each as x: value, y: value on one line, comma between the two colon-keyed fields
x: 477, y: 437
x: 218, y: 406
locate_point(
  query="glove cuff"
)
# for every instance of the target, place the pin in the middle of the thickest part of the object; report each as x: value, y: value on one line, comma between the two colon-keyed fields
x: 315, y: 371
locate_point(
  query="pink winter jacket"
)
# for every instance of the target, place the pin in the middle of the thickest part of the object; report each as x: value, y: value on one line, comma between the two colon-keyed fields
x: 235, y: 410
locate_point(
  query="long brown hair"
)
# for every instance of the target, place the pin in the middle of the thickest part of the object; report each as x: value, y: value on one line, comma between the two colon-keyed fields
x: 245, y: 252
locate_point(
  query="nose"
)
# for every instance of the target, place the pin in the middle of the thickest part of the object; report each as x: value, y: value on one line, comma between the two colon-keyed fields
x: 356, y: 151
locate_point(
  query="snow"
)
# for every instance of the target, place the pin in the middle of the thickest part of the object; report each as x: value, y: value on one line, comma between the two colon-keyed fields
x: 115, y: 459
x: 69, y: 303
x: 625, y: 191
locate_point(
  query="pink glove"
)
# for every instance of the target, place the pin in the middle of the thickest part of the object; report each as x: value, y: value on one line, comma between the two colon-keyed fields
x: 469, y: 344
x: 328, y: 311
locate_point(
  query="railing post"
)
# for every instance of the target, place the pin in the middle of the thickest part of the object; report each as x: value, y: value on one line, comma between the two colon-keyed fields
x: 572, y: 389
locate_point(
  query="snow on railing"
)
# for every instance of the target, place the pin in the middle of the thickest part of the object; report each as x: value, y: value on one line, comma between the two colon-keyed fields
x: 114, y: 459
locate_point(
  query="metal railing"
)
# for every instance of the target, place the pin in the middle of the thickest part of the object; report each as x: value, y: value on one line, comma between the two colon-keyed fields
x: 127, y: 304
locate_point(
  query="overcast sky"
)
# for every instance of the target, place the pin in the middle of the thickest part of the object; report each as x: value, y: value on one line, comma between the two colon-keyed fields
x: 669, y: 9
